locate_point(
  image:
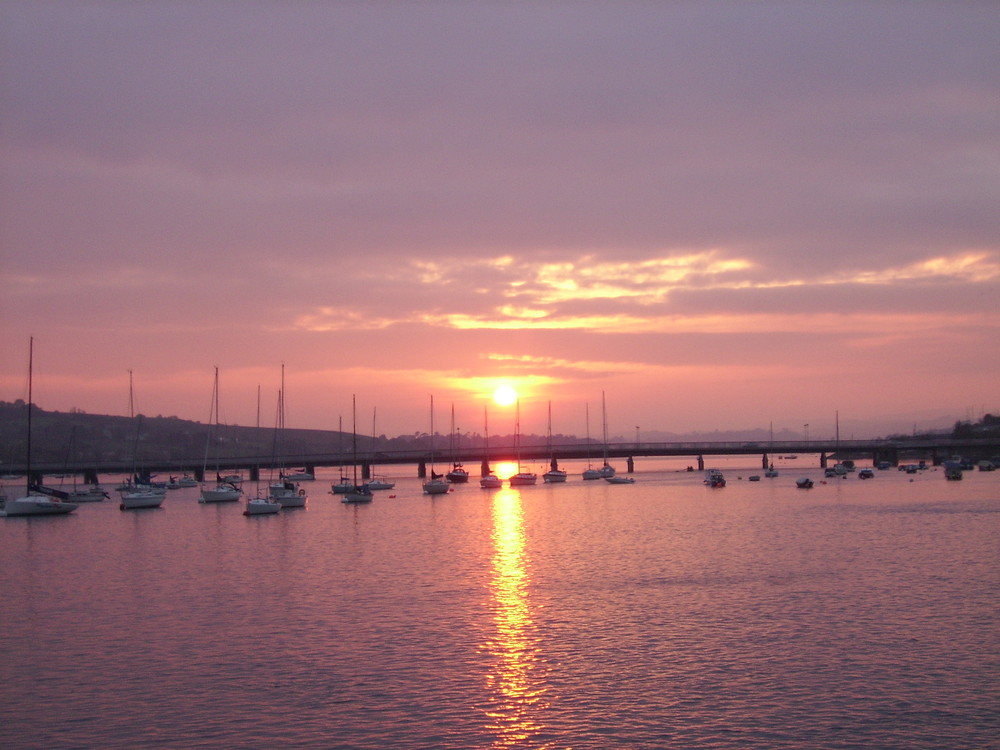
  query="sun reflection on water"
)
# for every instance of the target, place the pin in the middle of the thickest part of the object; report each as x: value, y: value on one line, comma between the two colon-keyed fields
x: 516, y: 684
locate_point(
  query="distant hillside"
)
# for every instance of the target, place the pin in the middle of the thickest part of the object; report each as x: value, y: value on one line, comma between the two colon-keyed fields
x: 79, y: 438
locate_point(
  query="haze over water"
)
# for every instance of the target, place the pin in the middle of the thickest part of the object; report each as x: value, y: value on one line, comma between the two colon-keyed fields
x: 858, y: 614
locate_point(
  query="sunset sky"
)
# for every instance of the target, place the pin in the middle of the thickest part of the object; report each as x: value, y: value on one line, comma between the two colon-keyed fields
x: 724, y: 215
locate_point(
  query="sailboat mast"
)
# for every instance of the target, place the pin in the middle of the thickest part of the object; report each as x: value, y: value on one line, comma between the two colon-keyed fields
x: 354, y: 436
x: 31, y: 361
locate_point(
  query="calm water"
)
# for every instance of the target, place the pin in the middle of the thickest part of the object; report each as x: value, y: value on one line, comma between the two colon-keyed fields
x: 858, y: 614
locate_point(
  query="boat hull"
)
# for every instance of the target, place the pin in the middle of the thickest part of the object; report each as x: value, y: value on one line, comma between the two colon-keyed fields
x: 554, y: 477
x: 220, y: 495
x: 357, y: 496
x: 436, y: 487
x: 261, y: 507
x: 140, y: 501
x: 33, y: 505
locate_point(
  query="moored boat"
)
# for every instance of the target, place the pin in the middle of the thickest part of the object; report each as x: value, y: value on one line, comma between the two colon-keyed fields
x: 715, y: 478
x: 140, y: 499
x: 261, y: 506
x: 287, y: 495
x: 619, y: 480
x: 804, y: 483
x: 436, y: 484
x: 37, y: 505
x: 491, y: 482
x: 554, y: 476
x: 523, y: 478
x: 359, y: 493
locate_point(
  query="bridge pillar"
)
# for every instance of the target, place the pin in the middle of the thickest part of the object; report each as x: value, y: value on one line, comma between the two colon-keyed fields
x: 763, y: 462
x: 422, y: 470
x: 90, y: 476
x: 554, y: 465
x: 822, y: 460
x: 366, y: 469
x: 631, y: 464
x: 199, y: 474
x: 311, y: 469
x: 701, y: 463
x: 484, y: 468
x: 254, y: 473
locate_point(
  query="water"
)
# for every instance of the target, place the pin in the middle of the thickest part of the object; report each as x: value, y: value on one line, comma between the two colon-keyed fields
x: 857, y: 614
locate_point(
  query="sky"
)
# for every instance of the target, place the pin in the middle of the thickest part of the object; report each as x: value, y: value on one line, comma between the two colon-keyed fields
x: 720, y: 215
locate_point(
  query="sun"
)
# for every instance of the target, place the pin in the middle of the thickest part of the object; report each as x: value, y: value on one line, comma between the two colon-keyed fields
x: 505, y: 395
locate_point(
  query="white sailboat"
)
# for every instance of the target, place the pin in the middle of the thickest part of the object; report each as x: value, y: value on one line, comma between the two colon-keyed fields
x: 376, y: 482
x: 34, y: 503
x: 359, y: 493
x: 522, y: 478
x: 260, y: 505
x: 436, y: 484
x: 607, y: 470
x: 222, y: 491
x: 590, y: 472
x: 286, y: 493
x: 489, y: 481
x: 137, y: 496
x: 458, y: 473
x: 554, y: 474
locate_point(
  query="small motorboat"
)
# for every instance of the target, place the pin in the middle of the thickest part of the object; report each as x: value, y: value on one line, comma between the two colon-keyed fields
x: 714, y: 478
x: 804, y: 483
x: 619, y: 480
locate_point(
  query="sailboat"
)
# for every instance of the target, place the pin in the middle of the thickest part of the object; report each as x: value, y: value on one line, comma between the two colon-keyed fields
x: 489, y: 481
x: 90, y: 494
x: 359, y: 493
x: 771, y: 472
x: 138, y: 496
x: 435, y: 485
x: 458, y: 474
x: 590, y: 472
x: 259, y: 505
x: 223, y: 491
x: 376, y: 482
x: 33, y: 503
x: 522, y: 477
x: 285, y: 492
x: 345, y: 484
x: 554, y: 474
x: 607, y: 470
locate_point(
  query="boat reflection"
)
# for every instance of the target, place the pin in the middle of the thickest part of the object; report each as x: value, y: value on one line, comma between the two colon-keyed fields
x: 516, y: 682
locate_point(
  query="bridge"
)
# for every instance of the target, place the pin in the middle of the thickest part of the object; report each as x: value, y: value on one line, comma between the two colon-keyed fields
x: 936, y: 450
